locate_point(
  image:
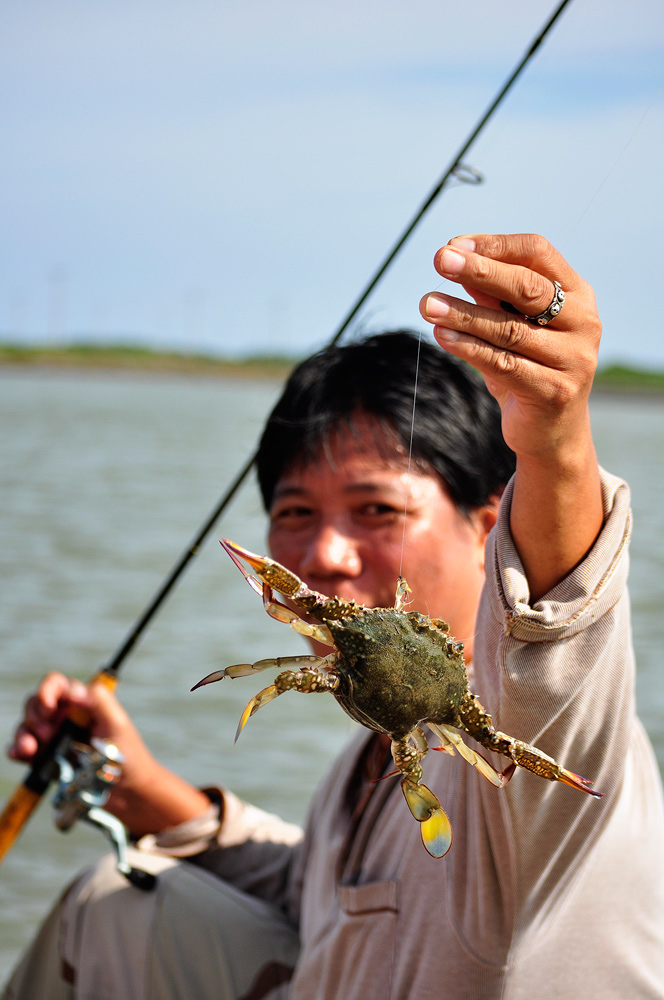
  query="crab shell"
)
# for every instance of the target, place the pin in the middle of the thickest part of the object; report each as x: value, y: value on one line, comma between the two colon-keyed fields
x: 397, y: 669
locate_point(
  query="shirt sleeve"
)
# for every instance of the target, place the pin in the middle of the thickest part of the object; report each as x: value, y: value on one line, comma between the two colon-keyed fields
x: 559, y: 674
x: 536, y: 659
x: 248, y: 847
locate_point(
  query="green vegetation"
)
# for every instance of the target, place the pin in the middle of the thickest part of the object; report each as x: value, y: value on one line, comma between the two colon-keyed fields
x: 620, y: 378
x: 613, y: 378
x: 143, y: 359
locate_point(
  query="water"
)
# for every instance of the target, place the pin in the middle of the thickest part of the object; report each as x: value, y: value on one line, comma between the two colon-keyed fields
x: 105, y: 478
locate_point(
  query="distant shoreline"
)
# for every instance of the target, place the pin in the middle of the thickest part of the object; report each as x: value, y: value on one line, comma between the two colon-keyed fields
x: 613, y: 379
x: 136, y: 359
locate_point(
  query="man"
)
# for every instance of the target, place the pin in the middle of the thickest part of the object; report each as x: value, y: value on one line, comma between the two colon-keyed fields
x: 545, y: 891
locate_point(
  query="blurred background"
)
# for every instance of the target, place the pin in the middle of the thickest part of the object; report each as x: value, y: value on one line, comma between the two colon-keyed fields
x: 225, y: 176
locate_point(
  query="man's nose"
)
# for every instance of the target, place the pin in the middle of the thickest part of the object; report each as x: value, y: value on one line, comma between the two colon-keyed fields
x: 331, y: 552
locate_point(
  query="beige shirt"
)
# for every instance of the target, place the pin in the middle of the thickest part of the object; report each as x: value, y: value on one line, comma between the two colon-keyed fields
x: 546, y: 891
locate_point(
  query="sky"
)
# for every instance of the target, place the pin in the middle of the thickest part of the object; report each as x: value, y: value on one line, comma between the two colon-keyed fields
x: 226, y: 176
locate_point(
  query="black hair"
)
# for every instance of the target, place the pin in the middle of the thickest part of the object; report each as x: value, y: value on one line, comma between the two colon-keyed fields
x: 456, y: 431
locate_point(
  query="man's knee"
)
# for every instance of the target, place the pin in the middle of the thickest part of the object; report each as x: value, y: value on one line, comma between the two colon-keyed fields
x: 192, y: 928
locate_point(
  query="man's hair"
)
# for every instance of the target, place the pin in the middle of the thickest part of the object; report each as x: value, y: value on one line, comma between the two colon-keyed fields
x: 456, y: 428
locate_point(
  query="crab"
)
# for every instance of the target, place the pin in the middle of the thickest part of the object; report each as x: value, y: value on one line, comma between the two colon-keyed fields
x: 393, y: 671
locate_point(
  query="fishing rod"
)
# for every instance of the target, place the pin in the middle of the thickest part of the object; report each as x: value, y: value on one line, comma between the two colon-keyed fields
x: 61, y: 759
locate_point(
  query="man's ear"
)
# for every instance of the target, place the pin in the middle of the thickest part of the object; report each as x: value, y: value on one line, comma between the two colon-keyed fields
x: 485, y: 517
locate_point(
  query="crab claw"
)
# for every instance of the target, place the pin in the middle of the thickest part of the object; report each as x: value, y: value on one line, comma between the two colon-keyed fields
x: 435, y: 827
x: 576, y: 781
x: 270, y: 571
x: 234, y: 550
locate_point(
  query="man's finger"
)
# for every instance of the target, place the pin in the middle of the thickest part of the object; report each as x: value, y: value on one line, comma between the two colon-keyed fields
x: 24, y: 745
x: 499, y: 329
x: 528, y: 291
x: 525, y: 249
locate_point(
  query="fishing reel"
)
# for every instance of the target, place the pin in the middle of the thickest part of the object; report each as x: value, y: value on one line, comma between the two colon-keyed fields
x: 87, y: 772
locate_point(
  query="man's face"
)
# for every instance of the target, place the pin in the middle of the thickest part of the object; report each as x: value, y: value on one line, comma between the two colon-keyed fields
x: 339, y: 524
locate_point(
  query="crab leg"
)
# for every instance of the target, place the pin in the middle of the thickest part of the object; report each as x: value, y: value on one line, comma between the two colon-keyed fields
x: 451, y: 741
x: 281, y: 613
x: 435, y: 827
x: 244, y: 669
x: 478, y: 723
x: 309, y: 680
x: 401, y: 598
x: 268, y: 694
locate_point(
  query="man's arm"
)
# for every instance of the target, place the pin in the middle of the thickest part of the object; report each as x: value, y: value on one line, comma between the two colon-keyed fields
x: 541, y: 377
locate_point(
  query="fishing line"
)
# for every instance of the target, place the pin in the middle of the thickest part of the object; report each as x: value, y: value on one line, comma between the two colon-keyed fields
x: 616, y: 162
x: 445, y: 284
x: 410, y: 453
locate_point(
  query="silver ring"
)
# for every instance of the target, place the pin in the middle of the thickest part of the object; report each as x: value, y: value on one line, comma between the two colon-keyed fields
x: 556, y: 305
